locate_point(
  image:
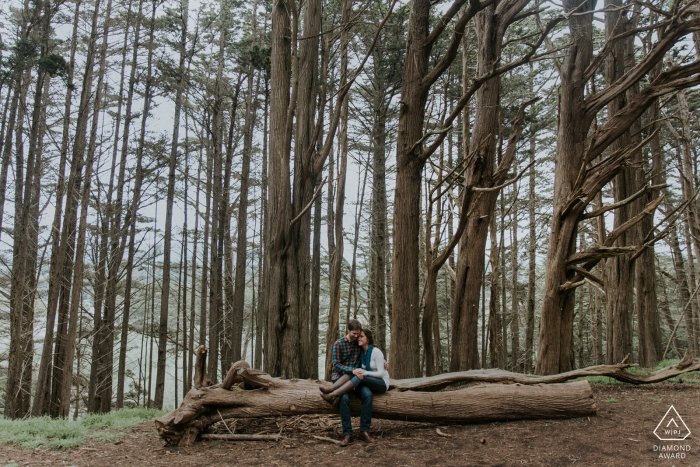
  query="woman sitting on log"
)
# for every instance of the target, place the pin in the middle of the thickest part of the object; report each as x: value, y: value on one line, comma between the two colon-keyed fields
x: 373, y: 373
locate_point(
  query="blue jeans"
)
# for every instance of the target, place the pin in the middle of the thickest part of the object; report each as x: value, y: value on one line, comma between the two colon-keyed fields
x: 365, y: 394
x: 376, y: 385
x: 364, y: 388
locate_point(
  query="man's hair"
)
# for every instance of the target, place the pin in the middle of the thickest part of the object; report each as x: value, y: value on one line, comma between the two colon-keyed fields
x: 354, y: 325
x: 368, y: 334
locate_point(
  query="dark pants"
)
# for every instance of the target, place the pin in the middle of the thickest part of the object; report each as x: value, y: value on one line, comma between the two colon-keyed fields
x: 363, y: 389
x: 365, y: 395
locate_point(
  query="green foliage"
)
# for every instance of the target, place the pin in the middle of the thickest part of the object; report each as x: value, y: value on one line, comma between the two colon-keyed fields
x: 54, y: 65
x: 612, y: 400
x: 60, y: 433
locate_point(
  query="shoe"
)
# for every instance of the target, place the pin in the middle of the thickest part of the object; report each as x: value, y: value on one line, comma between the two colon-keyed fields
x: 325, y: 389
x: 330, y: 398
x: 346, y: 440
x: 365, y: 436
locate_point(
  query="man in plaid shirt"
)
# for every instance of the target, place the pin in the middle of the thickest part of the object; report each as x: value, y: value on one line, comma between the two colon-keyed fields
x: 346, y: 352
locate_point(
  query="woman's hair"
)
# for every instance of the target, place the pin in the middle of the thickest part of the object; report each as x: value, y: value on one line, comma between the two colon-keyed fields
x: 368, y: 334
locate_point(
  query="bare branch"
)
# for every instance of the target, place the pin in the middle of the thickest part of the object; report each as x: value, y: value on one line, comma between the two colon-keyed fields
x: 676, y: 30
x: 631, y: 222
x: 587, y: 274
x: 451, y: 52
x: 444, y: 21
x: 418, y: 143
x: 478, y: 82
x: 571, y: 285
x: 604, y: 209
x: 509, y: 182
x: 599, y: 253
x: 609, y: 43
x: 319, y: 190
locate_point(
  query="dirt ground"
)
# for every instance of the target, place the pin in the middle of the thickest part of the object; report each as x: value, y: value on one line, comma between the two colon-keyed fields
x: 621, y: 435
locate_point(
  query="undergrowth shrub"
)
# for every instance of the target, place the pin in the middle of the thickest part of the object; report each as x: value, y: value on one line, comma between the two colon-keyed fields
x: 60, y: 433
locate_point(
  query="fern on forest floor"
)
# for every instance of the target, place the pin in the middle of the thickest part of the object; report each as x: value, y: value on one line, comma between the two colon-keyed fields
x: 60, y: 433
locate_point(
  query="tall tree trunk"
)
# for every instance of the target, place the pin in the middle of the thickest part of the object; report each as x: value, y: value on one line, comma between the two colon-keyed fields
x: 261, y: 329
x: 305, y: 179
x: 495, y: 323
x: 170, y: 197
x: 404, y: 355
x: 514, y: 292
x: 280, y: 319
x: 379, y: 234
x: 128, y: 231
x: 217, y: 220
x: 532, y: 263
x: 555, y: 347
x: 619, y: 275
x: 43, y: 390
x: 251, y: 108
x: 490, y: 30
x: 692, y: 214
x: 24, y: 279
x: 68, y: 233
x: 645, y: 267
x: 101, y: 371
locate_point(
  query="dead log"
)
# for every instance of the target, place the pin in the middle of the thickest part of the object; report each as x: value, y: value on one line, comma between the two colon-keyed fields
x: 480, y: 403
x: 250, y: 393
x: 258, y: 395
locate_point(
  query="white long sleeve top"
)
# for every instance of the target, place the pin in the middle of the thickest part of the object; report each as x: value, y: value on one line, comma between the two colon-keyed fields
x: 376, y: 368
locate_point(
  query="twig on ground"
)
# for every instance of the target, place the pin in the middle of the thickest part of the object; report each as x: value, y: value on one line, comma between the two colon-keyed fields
x: 324, y: 438
x: 444, y: 435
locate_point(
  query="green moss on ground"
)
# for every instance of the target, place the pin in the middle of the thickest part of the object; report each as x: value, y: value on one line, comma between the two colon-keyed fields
x: 59, y: 433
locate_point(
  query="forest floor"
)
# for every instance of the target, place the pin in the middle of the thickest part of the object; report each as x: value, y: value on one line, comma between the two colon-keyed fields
x: 621, y: 435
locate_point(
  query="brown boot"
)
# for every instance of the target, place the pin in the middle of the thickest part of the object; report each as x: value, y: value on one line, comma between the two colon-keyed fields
x: 339, y: 382
x: 345, y: 388
x: 347, y: 439
x: 365, y: 436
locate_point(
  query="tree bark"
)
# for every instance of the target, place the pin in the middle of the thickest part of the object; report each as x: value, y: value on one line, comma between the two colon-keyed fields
x: 280, y: 319
x: 238, y: 304
x: 491, y: 24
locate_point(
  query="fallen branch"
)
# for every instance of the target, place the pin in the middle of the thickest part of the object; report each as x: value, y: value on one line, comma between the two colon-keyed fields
x: 232, y: 437
x: 325, y: 438
x: 440, y: 433
x: 434, y: 383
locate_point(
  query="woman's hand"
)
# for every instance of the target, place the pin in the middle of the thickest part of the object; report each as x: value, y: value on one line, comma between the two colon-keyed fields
x: 359, y: 372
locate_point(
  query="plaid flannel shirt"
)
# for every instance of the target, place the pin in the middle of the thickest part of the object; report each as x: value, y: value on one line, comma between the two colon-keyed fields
x: 346, y: 357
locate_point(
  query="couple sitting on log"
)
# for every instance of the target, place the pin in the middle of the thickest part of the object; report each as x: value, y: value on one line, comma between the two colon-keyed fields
x: 357, y: 365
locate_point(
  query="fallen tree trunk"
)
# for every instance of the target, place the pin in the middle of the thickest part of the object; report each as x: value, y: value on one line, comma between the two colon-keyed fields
x: 250, y: 393
x: 481, y: 403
